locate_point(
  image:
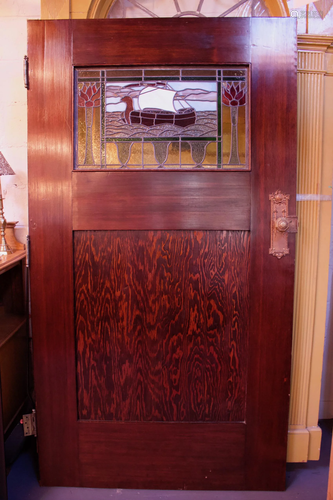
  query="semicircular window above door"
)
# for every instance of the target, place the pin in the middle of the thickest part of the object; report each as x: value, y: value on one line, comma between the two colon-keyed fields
x: 183, y: 8
x: 186, y: 8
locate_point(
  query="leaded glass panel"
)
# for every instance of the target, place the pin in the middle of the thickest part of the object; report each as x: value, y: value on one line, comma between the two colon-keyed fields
x: 162, y: 118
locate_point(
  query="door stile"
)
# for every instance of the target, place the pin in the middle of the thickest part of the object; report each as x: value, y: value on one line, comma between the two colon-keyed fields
x: 271, y: 302
x: 50, y: 224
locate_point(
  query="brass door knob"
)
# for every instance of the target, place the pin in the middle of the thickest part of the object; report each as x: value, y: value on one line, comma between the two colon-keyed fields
x: 282, y: 224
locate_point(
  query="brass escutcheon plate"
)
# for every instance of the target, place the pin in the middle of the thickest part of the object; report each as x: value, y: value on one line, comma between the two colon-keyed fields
x: 281, y: 224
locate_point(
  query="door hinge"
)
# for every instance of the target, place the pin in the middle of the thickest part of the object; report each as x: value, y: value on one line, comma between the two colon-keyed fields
x: 29, y: 424
x: 27, y: 261
x: 26, y: 72
x: 281, y: 224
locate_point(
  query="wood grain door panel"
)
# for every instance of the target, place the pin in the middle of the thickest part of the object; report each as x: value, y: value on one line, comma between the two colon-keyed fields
x: 161, y: 325
x: 161, y: 200
x: 141, y: 42
x: 160, y: 456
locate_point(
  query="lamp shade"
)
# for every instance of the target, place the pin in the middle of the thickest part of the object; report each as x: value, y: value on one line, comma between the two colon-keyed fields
x: 5, y: 168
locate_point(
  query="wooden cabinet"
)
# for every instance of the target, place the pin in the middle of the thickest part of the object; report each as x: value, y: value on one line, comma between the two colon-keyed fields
x: 13, y: 336
x: 13, y: 349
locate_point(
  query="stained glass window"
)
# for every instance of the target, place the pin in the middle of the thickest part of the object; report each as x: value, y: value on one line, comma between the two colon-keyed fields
x: 162, y: 118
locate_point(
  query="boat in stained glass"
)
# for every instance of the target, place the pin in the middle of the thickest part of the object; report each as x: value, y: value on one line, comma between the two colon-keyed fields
x: 157, y: 105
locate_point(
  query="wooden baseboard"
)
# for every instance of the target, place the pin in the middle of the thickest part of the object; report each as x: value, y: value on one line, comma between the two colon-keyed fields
x: 304, y: 444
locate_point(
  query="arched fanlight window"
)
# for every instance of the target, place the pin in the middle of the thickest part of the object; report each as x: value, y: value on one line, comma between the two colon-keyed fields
x: 187, y: 8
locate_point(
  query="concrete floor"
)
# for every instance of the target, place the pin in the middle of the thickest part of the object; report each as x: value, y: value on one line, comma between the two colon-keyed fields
x: 304, y: 482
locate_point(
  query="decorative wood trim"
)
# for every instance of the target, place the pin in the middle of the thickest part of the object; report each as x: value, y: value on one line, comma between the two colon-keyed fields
x: 310, y: 62
x: 99, y: 9
x: 314, y: 43
x: 310, y: 120
x: 304, y: 444
x: 308, y: 333
x: 298, y: 445
x: 277, y: 8
x: 314, y: 442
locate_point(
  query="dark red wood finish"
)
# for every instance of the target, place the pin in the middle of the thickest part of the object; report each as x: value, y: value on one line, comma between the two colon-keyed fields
x: 161, y: 200
x: 154, y: 453
x: 161, y: 42
x: 86, y: 453
x: 161, y: 325
x: 12, y: 288
x: 50, y: 154
x: 273, y: 123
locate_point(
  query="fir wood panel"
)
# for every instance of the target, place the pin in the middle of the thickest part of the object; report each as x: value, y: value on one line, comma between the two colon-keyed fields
x: 273, y: 125
x: 162, y: 456
x: 51, y: 264
x: 161, y: 200
x: 133, y: 42
x: 161, y: 321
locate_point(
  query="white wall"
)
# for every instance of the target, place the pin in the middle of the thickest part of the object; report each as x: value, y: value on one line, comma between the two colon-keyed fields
x: 13, y: 107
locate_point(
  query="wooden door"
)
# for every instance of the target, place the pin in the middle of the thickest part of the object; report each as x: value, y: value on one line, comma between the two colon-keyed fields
x: 161, y: 323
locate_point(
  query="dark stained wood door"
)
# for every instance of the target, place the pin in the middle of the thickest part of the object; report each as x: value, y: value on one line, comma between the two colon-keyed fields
x: 161, y: 323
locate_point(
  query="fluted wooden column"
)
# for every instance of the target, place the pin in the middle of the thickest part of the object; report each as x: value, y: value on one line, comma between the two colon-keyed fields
x: 312, y: 252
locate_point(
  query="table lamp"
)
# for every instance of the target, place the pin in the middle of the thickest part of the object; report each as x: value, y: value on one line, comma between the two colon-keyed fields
x: 5, y: 169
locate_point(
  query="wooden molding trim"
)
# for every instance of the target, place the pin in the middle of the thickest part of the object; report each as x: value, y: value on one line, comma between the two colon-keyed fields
x: 99, y: 9
x: 277, y: 8
x: 308, y: 334
x: 298, y: 445
x: 329, y: 61
x: 310, y: 62
x: 304, y: 444
x: 310, y: 129
x: 315, y: 43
